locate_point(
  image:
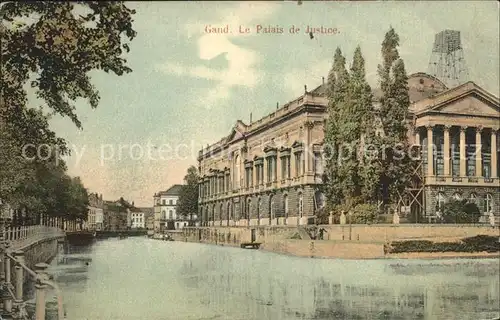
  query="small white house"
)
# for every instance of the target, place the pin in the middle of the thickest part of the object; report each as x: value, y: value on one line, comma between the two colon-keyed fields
x: 137, y: 219
x: 165, y: 210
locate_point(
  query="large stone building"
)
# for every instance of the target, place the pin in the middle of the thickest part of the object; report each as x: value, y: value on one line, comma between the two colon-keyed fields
x: 269, y: 171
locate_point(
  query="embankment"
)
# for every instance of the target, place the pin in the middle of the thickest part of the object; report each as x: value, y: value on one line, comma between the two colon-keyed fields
x: 341, y: 241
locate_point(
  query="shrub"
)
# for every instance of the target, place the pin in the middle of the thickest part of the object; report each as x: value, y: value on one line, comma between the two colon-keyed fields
x: 459, y: 211
x: 480, y: 243
x: 364, y: 213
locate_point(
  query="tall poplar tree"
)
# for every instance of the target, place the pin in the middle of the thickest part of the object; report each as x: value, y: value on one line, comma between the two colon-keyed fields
x: 336, y: 92
x: 394, y: 104
x: 363, y: 123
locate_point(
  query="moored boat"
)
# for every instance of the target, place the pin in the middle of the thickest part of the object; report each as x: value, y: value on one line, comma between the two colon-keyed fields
x: 80, y: 238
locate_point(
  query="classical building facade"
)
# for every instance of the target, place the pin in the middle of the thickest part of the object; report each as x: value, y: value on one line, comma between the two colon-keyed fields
x: 165, y: 210
x: 268, y: 172
x: 458, y: 131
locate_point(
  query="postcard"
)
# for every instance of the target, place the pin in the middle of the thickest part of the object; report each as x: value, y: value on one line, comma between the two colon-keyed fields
x: 249, y: 160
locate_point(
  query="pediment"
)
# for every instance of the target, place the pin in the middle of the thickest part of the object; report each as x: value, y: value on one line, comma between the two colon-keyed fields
x: 469, y: 105
x: 234, y: 135
x: 467, y: 100
x: 237, y: 132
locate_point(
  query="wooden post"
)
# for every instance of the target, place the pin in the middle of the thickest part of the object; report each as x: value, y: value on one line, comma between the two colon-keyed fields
x: 40, y: 291
x: 19, y: 276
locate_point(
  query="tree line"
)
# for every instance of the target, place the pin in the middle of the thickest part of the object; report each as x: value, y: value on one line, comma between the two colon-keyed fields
x: 369, y: 179
x: 47, y: 47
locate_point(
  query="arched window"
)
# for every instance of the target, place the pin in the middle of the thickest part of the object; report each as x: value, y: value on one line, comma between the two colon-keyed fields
x: 285, y: 205
x: 249, y: 208
x: 440, y: 202
x: 457, y: 196
x: 164, y: 214
x: 272, y: 212
x: 236, y: 182
x: 488, y: 203
x: 170, y: 214
x: 213, y: 213
x: 473, y: 198
x: 229, y: 213
x: 301, y: 205
x: 221, y: 213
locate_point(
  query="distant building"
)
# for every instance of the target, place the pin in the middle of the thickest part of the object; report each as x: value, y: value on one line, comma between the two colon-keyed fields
x: 115, y: 216
x: 137, y: 218
x: 148, y: 217
x: 165, y: 207
x: 96, y: 212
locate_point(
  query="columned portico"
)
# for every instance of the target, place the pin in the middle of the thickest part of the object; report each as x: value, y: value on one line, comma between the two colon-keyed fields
x: 463, y: 158
x: 447, y: 158
x: 494, y: 153
x: 479, y: 161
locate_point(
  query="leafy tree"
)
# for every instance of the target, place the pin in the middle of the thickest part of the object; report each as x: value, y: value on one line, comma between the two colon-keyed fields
x: 337, y: 88
x: 394, y: 104
x: 54, y: 52
x: 61, y: 48
x: 187, y: 205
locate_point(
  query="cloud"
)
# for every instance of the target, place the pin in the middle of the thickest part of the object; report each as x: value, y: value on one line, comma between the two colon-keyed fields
x: 242, y: 64
x: 309, y: 74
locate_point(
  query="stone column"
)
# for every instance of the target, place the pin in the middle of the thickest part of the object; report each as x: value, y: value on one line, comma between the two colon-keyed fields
x: 463, y: 171
x: 265, y: 166
x: 278, y: 166
x: 479, y: 157
x: 308, y: 147
x: 494, y: 173
x: 40, y: 291
x: 430, y: 151
x: 446, y: 150
x: 19, y: 276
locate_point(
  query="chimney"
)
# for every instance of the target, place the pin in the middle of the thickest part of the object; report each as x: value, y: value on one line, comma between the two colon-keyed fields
x: 250, y: 118
x: 277, y: 105
x: 323, y: 80
x: 305, y: 88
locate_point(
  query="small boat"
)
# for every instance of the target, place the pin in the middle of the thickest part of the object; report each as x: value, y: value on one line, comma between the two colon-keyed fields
x: 123, y: 236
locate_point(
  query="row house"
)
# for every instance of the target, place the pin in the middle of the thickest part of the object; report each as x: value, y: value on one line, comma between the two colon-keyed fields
x: 95, y: 217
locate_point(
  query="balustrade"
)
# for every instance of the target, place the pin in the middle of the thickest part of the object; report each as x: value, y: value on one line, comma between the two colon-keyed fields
x: 12, y: 289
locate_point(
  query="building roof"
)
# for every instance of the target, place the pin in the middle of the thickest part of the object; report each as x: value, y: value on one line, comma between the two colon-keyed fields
x: 147, y: 210
x: 174, y: 190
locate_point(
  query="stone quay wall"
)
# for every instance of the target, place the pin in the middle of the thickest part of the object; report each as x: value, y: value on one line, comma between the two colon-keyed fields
x: 39, y: 251
x: 340, y: 241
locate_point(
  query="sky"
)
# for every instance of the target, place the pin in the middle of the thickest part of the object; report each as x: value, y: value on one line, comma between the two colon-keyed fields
x: 188, y: 87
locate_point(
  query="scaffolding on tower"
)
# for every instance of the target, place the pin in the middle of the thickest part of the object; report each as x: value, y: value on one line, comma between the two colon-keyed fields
x: 447, y: 62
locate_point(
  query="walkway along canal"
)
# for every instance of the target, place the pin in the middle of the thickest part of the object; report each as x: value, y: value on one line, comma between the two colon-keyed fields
x: 24, y: 252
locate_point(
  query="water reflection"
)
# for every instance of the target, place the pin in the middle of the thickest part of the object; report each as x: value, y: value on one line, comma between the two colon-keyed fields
x: 148, y: 279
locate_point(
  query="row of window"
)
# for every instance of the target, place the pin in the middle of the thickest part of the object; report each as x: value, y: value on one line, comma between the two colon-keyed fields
x: 170, y: 214
x: 248, y: 207
x: 487, y: 201
x: 221, y: 183
x: 164, y: 202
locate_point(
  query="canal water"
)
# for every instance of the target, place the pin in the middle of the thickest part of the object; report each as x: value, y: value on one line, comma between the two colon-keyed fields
x: 145, y: 279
